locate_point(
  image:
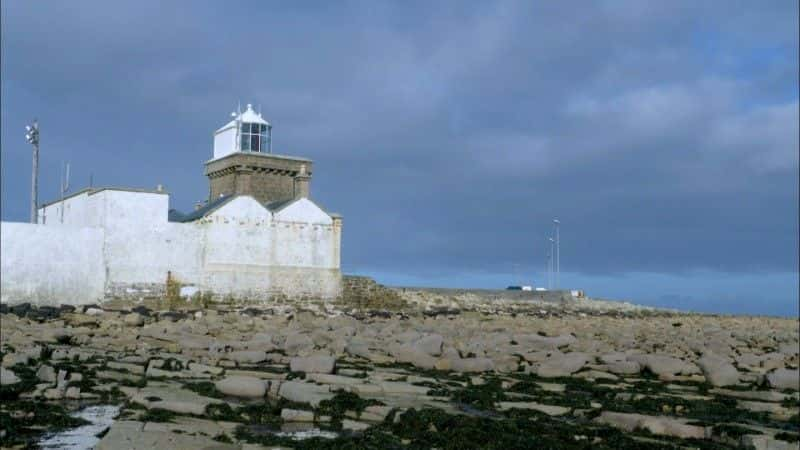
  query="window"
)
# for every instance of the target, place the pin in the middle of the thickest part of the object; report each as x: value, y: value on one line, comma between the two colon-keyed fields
x: 254, y: 138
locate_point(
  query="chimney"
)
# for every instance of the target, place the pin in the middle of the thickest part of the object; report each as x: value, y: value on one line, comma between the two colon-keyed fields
x: 302, y: 182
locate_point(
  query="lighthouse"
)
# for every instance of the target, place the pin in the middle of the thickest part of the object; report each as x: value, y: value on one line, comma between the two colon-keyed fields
x: 243, y: 163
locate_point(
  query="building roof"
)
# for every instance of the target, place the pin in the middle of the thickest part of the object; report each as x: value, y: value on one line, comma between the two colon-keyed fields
x: 95, y: 190
x: 279, y: 205
x: 177, y: 216
x: 248, y: 116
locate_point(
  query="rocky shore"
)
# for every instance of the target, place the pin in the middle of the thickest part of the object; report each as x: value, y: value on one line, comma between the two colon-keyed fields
x: 429, y: 373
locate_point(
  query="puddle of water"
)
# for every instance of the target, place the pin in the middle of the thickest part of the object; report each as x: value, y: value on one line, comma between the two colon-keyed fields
x: 84, y: 437
x: 296, y: 431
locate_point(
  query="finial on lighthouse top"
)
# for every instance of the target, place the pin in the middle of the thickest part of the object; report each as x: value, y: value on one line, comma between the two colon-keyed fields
x: 248, y: 132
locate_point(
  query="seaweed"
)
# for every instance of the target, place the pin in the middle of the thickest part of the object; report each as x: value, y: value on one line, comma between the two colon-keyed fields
x: 223, y: 438
x: 24, y: 420
x: 787, y: 437
x: 157, y: 415
x: 732, y: 431
x: 342, y: 402
x: 204, y: 388
x: 482, y: 396
x: 28, y: 382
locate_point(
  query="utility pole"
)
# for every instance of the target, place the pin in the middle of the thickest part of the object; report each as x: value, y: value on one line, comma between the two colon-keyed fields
x: 550, y: 265
x: 558, y: 255
x: 32, y: 136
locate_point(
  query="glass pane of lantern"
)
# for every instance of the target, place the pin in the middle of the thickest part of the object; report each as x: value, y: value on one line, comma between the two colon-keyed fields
x: 254, y: 143
x: 263, y: 128
x: 245, y: 143
x: 264, y: 146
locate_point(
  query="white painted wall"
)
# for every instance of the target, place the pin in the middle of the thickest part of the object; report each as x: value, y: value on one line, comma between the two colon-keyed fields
x: 51, y: 265
x: 303, y: 210
x: 240, y: 249
x: 225, y: 141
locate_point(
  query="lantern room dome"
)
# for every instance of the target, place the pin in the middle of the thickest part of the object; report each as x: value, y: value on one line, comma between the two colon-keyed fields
x: 247, y: 132
x: 248, y: 116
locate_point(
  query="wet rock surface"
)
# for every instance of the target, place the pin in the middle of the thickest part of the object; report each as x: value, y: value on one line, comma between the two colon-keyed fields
x: 442, y: 373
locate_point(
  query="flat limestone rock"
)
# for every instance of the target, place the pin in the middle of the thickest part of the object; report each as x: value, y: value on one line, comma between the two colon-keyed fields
x: 237, y: 386
x: 660, y: 425
x: 247, y: 356
x: 8, y: 377
x: 550, y: 410
x: 304, y: 392
x: 784, y: 379
x: 192, y: 425
x: 661, y: 364
x: 718, y: 370
x: 297, y: 415
x: 173, y: 398
x: 472, y: 365
x: 562, y: 366
x: 129, y: 435
x: 313, y: 364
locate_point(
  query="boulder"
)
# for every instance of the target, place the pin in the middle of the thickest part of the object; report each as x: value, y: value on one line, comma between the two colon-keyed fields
x: 430, y: 344
x: 535, y: 342
x: 133, y: 320
x: 313, y: 364
x: 408, y: 354
x: 718, y: 370
x: 247, y: 356
x: 8, y: 377
x: 562, y: 366
x: 472, y: 365
x: 660, y: 364
x: 784, y: 379
x: 238, y: 386
x: 304, y: 392
x: 46, y: 374
x: 659, y: 425
x: 296, y: 343
x: 789, y: 348
x: 623, y: 367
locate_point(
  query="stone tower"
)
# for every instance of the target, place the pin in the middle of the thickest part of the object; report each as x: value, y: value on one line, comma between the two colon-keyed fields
x: 243, y: 163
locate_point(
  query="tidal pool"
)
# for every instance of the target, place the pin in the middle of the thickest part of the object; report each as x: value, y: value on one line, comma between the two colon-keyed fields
x: 84, y: 437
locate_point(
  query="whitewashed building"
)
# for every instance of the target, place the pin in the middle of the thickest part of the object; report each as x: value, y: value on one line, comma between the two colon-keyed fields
x: 258, y: 236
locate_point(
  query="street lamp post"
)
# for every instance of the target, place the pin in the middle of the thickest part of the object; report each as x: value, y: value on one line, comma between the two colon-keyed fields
x: 32, y: 136
x: 558, y: 254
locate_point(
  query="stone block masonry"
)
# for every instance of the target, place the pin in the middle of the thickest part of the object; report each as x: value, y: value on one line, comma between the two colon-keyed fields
x: 364, y: 292
x: 265, y: 177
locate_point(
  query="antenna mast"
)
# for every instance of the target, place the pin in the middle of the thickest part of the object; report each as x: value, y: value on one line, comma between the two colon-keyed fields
x: 32, y: 136
x: 64, y: 188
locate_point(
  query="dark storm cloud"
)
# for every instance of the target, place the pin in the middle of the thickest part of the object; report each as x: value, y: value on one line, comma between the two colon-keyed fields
x: 664, y: 135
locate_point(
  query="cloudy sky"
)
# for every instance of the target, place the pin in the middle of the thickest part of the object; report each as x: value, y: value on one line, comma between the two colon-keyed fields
x: 663, y: 135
